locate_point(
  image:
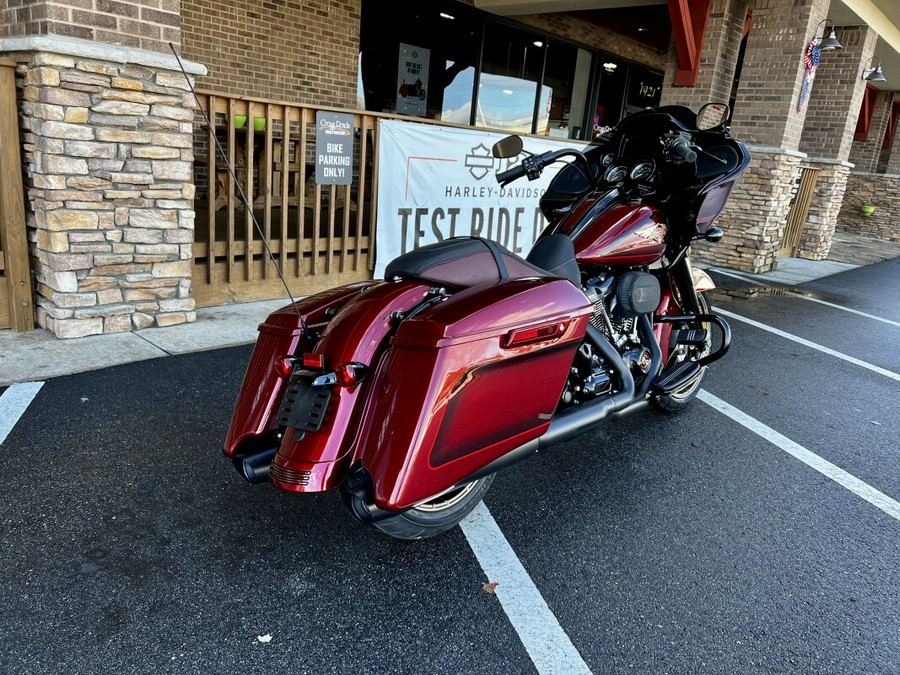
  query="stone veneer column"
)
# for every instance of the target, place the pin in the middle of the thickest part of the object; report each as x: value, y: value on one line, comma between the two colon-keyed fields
x: 109, y: 175
x: 828, y: 130
x: 864, y: 155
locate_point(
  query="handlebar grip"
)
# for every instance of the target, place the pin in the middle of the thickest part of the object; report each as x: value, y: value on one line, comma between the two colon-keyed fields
x: 681, y: 148
x: 511, y: 174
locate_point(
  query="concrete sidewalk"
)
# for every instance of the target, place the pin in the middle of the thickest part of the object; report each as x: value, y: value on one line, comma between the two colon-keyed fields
x: 38, y: 354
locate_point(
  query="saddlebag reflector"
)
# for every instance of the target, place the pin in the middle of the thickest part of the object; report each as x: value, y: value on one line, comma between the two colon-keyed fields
x: 303, y: 407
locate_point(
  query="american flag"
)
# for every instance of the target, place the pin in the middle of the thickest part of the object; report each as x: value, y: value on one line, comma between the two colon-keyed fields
x: 810, y: 60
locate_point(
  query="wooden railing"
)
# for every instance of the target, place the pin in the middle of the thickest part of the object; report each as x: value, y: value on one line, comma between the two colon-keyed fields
x: 799, y: 211
x: 320, y: 236
x: 16, y: 303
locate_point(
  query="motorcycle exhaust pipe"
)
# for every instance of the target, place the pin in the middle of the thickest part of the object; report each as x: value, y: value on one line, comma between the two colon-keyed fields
x: 254, y: 467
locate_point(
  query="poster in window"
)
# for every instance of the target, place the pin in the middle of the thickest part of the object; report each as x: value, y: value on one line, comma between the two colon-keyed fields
x: 412, y: 80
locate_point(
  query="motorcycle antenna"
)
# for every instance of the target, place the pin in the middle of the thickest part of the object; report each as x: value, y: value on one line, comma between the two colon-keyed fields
x: 242, y: 196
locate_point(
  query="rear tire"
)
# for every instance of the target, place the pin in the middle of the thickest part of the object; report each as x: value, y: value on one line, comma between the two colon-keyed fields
x: 679, y: 400
x: 429, y: 518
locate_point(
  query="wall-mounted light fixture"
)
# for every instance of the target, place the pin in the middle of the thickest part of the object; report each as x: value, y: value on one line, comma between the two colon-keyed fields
x: 826, y: 44
x: 874, y: 73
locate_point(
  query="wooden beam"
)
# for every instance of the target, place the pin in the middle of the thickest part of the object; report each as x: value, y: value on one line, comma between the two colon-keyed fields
x: 689, y: 19
x: 13, y: 238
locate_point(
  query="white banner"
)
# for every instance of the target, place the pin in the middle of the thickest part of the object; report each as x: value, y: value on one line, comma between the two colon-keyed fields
x: 439, y: 182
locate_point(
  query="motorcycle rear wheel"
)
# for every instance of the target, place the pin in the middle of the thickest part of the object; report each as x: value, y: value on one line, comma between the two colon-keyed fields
x: 680, y: 399
x: 432, y: 517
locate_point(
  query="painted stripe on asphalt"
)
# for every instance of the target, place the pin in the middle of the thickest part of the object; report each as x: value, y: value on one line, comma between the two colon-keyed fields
x: 547, y: 644
x: 803, y: 296
x: 13, y: 403
x: 838, y: 475
x: 813, y: 345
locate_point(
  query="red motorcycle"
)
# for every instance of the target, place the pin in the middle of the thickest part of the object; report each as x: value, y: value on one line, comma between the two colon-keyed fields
x: 409, y: 394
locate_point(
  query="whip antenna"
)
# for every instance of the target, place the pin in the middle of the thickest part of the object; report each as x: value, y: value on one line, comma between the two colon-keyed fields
x: 242, y: 198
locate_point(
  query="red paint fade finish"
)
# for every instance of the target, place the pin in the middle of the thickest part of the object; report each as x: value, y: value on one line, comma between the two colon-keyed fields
x: 449, y: 379
x: 626, y: 234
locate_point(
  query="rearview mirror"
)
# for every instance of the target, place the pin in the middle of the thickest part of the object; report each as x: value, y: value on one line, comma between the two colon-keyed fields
x: 712, y: 115
x: 507, y: 147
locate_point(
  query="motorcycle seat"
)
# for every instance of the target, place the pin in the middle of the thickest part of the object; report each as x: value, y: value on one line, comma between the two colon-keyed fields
x: 462, y: 262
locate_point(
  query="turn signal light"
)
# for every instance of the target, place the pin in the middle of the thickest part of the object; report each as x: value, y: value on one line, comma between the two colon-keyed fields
x: 283, y: 366
x: 348, y: 374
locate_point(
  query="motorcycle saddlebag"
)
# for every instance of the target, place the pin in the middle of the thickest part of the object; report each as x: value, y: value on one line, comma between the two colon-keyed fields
x: 467, y: 381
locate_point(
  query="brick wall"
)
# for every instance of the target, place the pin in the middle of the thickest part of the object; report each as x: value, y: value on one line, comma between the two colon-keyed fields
x: 765, y: 111
x: 865, y: 154
x: 144, y: 24
x: 296, y: 51
x: 837, y: 95
x: 718, y: 58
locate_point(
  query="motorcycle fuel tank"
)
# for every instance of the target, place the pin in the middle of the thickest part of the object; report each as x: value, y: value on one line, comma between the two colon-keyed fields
x: 625, y: 234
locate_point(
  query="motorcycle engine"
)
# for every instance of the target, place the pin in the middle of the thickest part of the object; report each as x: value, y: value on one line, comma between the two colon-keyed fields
x: 618, y: 301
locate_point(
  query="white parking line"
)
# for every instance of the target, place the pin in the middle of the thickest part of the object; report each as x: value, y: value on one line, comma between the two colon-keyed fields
x: 823, y: 466
x: 803, y: 296
x: 813, y: 345
x: 547, y: 644
x: 13, y: 403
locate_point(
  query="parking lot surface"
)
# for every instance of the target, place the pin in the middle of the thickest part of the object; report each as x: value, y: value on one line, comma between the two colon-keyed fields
x: 756, y: 532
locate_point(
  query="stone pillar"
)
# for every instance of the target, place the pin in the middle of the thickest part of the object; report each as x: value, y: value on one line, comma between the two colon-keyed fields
x: 108, y: 150
x: 718, y: 58
x: 834, y: 105
x: 864, y: 155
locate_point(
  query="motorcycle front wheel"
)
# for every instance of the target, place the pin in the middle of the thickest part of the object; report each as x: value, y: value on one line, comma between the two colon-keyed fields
x: 428, y: 518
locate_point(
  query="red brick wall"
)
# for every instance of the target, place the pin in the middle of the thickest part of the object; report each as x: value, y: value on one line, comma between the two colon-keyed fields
x: 145, y: 24
x: 298, y: 51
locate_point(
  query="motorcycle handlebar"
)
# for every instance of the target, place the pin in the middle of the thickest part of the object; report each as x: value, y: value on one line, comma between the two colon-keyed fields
x: 682, y: 149
x: 510, y: 175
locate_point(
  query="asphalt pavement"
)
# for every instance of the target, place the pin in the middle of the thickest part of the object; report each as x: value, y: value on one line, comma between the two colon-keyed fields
x: 758, y: 531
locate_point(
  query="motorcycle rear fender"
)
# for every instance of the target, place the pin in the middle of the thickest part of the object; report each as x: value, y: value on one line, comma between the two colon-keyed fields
x: 315, y: 461
x: 466, y: 382
x: 281, y: 334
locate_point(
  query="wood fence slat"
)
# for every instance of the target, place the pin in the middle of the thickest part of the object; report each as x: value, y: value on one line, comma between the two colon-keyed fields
x: 13, y: 237
x: 370, y: 254
x: 267, y: 194
x: 301, y: 193
x: 317, y: 218
x: 361, y: 190
x: 249, y: 163
x: 211, y: 178
x: 232, y: 140
x: 285, y: 161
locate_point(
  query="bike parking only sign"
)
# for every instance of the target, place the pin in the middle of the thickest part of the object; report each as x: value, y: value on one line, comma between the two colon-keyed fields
x: 334, y: 148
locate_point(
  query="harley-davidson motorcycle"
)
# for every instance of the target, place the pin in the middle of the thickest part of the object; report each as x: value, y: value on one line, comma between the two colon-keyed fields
x: 408, y: 394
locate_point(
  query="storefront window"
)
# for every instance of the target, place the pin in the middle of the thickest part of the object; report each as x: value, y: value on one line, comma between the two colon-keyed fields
x: 567, y: 75
x: 644, y: 89
x: 511, y: 67
x: 450, y: 61
x: 611, y: 92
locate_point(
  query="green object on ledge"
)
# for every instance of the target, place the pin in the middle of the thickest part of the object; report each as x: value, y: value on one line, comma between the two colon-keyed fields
x: 867, y: 210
